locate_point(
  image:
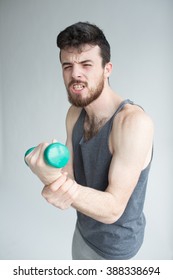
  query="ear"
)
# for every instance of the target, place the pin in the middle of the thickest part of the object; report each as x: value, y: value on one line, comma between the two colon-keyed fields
x: 107, y: 69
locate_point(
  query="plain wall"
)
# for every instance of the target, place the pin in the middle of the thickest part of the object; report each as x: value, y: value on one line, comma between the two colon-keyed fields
x: 34, y: 105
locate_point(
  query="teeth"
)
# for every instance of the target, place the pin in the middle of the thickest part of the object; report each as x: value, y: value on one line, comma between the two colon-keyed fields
x: 78, y: 87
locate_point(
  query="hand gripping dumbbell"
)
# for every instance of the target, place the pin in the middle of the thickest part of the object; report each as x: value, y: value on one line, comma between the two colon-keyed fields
x: 56, y: 155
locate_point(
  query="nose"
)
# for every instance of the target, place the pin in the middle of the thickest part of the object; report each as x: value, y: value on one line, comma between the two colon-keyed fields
x: 76, y: 71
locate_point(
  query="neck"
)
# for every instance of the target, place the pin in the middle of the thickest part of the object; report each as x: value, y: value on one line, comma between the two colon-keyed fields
x: 104, y: 106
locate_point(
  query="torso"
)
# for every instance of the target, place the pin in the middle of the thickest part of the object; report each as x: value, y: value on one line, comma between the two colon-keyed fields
x: 92, y: 127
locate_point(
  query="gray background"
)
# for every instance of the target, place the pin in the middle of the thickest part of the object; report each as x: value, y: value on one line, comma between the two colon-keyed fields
x: 33, y: 107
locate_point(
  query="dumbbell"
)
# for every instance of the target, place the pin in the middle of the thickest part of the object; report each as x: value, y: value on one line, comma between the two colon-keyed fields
x: 56, y: 155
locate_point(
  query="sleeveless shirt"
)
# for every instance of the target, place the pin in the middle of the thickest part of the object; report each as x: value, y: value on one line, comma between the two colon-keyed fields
x: 92, y: 158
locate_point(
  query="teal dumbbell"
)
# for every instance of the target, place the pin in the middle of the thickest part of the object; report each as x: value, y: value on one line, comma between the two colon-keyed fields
x: 56, y: 155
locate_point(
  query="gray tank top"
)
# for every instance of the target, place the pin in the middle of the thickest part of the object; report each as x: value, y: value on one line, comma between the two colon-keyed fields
x: 122, y: 239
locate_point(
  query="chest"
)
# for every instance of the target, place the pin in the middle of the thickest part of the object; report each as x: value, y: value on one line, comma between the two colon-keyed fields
x: 92, y: 127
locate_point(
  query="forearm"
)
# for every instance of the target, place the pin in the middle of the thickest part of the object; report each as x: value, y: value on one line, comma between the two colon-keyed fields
x: 98, y: 205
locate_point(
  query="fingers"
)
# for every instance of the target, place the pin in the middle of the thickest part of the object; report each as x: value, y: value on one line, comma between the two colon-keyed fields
x: 58, y: 183
x: 40, y: 151
x: 61, y: 193
x: 36, y: 156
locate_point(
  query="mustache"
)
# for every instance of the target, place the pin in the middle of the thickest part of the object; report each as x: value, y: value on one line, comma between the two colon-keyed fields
x: 74, y: 81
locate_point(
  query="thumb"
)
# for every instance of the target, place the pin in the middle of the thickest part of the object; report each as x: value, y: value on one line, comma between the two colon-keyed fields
x: 54, y: 140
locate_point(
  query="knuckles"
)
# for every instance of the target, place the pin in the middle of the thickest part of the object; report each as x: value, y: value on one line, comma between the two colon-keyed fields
x: 35, y: 160
x: 63, y: 197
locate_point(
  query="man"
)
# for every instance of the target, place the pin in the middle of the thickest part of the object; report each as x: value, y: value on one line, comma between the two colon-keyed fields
x: 110, y: 141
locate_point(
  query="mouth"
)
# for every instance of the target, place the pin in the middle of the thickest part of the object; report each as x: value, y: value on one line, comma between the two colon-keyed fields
x: 77, y: 87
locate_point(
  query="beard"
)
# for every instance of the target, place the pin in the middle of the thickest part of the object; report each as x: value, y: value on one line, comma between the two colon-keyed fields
x: 93, y: 93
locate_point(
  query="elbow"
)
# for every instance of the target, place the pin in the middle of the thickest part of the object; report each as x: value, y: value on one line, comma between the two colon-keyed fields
x: 113, y: 217
x: 115, y: 210
x: 111, y: 220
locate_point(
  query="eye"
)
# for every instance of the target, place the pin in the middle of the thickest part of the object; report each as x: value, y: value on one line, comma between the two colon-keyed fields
x: 87, y: 65
x: 67, y: 67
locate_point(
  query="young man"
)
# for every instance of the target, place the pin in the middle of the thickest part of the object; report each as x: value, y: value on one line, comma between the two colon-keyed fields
x: 110, y: 141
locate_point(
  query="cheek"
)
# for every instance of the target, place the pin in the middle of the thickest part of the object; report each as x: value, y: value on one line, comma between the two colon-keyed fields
x: 64, y: 75
x: 99, y: 76
x: 65, y: 78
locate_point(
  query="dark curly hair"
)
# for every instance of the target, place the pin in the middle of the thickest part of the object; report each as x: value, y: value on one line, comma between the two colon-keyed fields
x: 81, y: 33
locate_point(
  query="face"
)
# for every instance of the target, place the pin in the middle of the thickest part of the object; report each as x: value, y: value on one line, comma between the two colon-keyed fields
x: 83, y: 74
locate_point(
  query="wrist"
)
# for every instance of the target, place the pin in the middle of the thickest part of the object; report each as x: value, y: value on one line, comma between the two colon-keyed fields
x: 48, y: 180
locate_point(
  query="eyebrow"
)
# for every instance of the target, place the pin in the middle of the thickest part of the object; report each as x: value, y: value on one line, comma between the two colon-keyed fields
x: 81, y: 62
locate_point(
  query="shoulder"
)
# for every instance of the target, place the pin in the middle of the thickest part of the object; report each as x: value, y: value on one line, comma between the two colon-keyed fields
x: 132, y: 124
x: 133, y: 117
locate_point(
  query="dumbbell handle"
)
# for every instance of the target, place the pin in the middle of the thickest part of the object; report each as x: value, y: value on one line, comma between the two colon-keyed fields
x: 56, y: 155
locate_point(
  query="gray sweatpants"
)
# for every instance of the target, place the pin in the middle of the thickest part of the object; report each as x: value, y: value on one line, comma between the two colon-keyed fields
x: 80, y: 250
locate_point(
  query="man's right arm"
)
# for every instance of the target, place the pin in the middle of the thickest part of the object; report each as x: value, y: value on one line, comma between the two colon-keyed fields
x: 71, y: 118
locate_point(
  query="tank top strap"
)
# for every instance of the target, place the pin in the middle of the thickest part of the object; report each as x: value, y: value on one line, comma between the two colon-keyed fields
x: 120, y: 107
